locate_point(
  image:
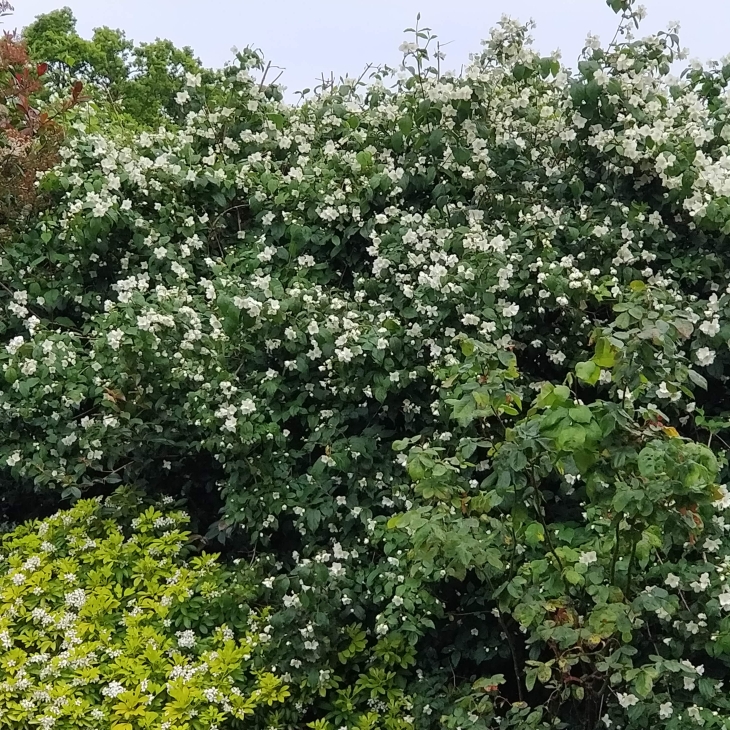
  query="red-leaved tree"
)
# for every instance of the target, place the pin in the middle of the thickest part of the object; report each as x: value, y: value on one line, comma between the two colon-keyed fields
x: 29, y: 137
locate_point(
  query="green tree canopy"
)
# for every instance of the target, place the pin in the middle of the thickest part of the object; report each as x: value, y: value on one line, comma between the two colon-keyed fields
x: 142, y: 79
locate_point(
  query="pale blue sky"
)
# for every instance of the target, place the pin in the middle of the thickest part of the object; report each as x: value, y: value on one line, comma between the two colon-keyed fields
x: 308, y: 37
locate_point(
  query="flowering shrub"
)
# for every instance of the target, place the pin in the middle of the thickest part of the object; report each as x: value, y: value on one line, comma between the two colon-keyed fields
x: 450, y: 351
x: 105, y: 625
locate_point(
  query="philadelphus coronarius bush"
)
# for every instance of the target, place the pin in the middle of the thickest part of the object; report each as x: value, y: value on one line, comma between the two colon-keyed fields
x: 447, y: 353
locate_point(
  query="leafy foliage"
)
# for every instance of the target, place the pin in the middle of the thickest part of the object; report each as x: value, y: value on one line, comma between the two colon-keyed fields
x: 139, y: 80
x: 108, y: 620
x: 29, y: 136
x: 449, y: 354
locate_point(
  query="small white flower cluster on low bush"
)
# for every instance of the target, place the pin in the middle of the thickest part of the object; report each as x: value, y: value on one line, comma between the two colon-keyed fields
x: 94, y: 617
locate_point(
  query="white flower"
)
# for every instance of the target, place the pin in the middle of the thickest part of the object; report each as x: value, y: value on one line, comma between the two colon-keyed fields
x: 723, y: 501
x: 710, y: 328
x: 114, y: 338
x: 32, y: 563
x: 663, y: 391
x: 705, y: 356
x: 186, y: 639
x: 557, y: 357
x: 75, y: 599
x: 724, y: 599
x: 182, y: 97
x: 247, y: 406
x: 15, y: 344
x: 192, y: 80
x: 702, y: 584
x: 627, y: 700
x: 344, y: 354
x: 113, y: 689
x: 510, y: 310
x: 666, y: 710
x: 29, y: 367
x: 694, y: 713
x: 672, y: 580
x: 99, y: 210
x: 588, y: 558
x: 13, y: 459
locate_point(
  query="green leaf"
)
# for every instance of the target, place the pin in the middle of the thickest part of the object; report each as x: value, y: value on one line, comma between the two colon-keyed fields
x: 570, y: 438
x: 364, y: 157
x: 588, y: 372
x: 684, y: 327
x: 467, y: 347
x: 405, y: 124
x: 622, y: 499
x: 463, y: 410
x: 544, y: 673
x: 618, y: 6
x: 643, y: 684
x: 573, y: 577
x: 577, y: 187
x: 534, y: 534
x: 697, y: 379
x: 580, y: 414
x: 649, y: 462
x: 605, y: 356
x: 530, y: 679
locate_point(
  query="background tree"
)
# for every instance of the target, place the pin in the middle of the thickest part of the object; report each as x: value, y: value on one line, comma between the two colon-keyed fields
x: 141, y: 80
x: 29, y: 135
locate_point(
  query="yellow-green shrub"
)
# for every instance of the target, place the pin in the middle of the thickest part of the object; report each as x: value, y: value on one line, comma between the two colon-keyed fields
x: 107, y: 621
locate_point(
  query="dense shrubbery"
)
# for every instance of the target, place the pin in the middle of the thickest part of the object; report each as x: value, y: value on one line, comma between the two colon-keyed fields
x: 96, y: 626
x: 441, y: 359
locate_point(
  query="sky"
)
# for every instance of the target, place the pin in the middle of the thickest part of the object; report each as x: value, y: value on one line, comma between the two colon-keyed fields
x: 310, y: 37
